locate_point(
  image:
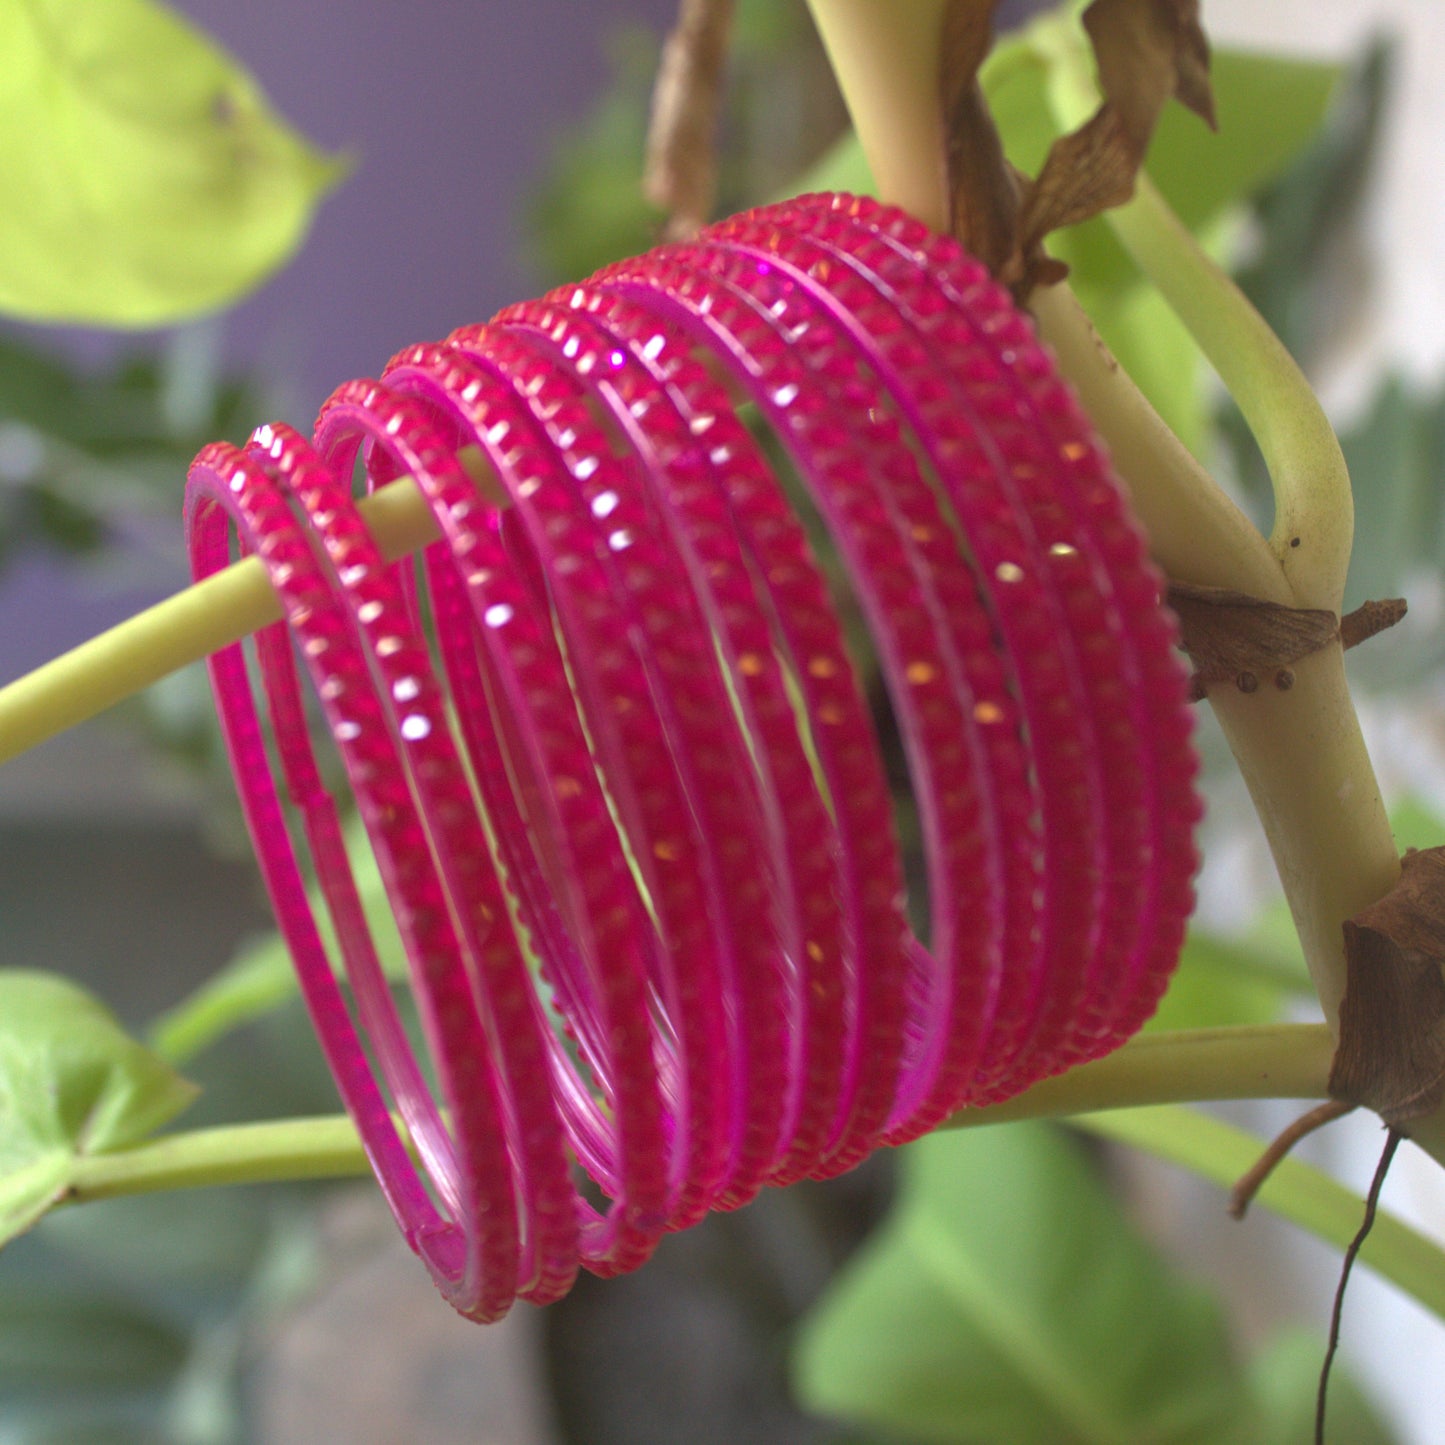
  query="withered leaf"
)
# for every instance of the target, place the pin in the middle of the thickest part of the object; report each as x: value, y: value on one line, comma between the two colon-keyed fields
x: 983, y: 191
x: 1229, y: 634
x: 1085, y: 173
x: 1146, y: 52
x: 1391, y: 1054
x: 1370, y: 618
x: 680, y: 174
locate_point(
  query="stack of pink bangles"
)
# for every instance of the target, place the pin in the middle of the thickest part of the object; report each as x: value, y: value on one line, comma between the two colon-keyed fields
x: 616, y: 767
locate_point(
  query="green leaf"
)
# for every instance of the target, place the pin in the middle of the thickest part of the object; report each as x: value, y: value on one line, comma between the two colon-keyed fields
x: 1294, y: 1190
x: 72, y: 1083
x: 1007, y: 1298
x: 145, y: 177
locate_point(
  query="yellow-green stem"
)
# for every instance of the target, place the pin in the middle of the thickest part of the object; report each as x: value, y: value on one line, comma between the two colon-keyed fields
x: 1314, y: 518
x: 1314, y: 510
x: 1309, y: 775
x: 1275, y: 1061
x: 884, y: 54
x: 1284, y: 1061
x: 326, y: 1147
x: 1196, y: 532
x: 181, y: 630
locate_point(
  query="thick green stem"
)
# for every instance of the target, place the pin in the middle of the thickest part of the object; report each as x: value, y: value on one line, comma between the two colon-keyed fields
x: 1285, y: 1061
x: 318, y: 1148
x: 885, y: 57
x: 1278, y: 1061
x: 1302, y: 756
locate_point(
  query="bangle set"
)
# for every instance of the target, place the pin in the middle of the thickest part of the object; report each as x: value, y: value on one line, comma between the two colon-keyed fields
x: 612, y: 755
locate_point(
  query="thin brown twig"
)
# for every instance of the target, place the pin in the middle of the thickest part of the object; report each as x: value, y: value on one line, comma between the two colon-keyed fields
x: 1369, y: 619
x: 1372, y: 1202
x: 680, y: 175
x: 1241, y: 1196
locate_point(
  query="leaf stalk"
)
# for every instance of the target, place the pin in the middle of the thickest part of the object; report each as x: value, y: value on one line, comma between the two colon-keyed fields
x: 1273, y: 1061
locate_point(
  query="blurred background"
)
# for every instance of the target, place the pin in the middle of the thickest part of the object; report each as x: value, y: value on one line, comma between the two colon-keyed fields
x: 495, y: 151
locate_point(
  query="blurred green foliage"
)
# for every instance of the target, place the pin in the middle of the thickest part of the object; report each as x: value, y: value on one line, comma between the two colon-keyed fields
x: 1007, y: 1297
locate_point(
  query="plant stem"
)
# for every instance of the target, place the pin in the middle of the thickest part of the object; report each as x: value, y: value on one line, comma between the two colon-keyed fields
x: 1274, y: 1061
x: 325, y: 1147
x: 885, y: 58
x: 1283, y: 1061
x: 183, y: 629
x: 1314, y: 511
x: 1196, y: 532
x: 1303, y: 758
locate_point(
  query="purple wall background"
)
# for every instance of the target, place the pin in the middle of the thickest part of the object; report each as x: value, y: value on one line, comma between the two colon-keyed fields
x: 449, y: 109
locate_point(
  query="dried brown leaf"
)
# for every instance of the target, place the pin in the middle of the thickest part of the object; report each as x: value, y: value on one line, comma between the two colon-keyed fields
x: 1233, y: 637
x: 680, y: 175
x: 1229, y: 635
x: 1370, y: 618
x: 1085, y: 172
x: 982, y: 190
x: 1146, y: 51
x: 1391, y: 1054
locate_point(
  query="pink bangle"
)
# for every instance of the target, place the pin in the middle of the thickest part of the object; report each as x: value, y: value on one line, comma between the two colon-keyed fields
x: 890, y: 532
x: 1049, y: 538
x: 1096, y: 558
x: 614, y: 1029
x: 726, y: 533
x: 650, y: 891
x: 226, y: 482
